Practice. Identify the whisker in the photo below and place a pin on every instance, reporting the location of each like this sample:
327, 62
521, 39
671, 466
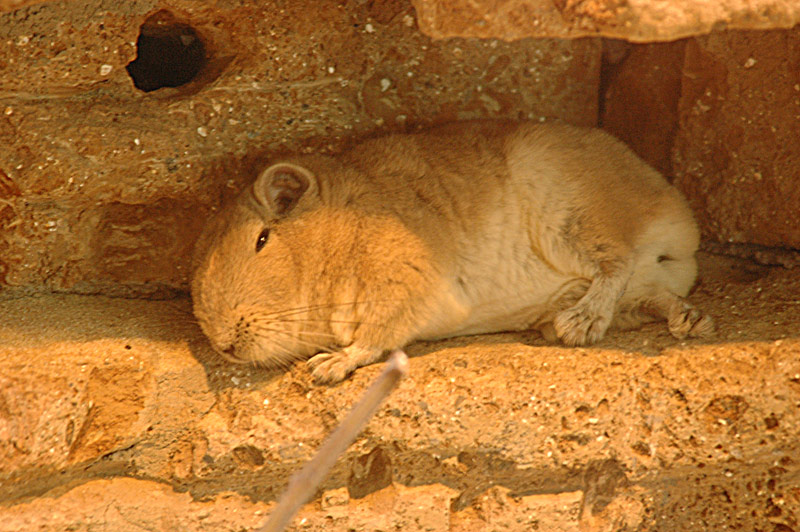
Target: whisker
271, 319
283, 361
307, 343
270, 327
307, 308
311, 341
290, 358
320, 306
314, 345
348, 322
268, 319
321, 333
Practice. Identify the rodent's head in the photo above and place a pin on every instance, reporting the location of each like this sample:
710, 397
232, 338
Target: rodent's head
247, 288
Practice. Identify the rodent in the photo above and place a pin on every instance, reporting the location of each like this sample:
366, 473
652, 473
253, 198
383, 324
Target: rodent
466, 228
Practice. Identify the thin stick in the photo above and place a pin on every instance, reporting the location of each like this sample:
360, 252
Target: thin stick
305, 482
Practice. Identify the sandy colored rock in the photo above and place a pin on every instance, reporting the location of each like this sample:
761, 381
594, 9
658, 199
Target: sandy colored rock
633, 20
640, 430
117, 505
104, 187
109, 381
11, 5
736, 150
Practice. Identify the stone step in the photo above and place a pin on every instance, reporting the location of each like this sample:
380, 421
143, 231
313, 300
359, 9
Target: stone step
104, 398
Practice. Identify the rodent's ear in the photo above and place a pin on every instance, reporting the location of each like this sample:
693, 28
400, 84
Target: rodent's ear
281, 186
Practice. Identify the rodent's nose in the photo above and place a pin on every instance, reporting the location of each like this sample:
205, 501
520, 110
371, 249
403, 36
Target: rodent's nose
230, 350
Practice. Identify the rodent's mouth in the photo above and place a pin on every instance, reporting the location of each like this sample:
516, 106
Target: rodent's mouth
232, 358
252, 356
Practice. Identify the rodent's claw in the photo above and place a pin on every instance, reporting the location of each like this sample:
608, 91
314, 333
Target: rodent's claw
578, 326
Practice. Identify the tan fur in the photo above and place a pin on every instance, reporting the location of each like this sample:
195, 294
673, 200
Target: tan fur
468, 228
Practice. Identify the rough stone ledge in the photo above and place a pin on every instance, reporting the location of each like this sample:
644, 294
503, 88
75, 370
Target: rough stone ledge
114, 411
632, 20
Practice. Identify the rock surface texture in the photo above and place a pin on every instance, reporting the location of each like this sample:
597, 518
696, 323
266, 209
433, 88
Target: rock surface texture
114, 413
737, 149
633, 20
123, 125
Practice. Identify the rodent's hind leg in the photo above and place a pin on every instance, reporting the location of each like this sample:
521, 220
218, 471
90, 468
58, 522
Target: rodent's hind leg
566, 297
586, 322
683, 319
330, 368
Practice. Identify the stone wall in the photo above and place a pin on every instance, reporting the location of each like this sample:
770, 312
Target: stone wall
103, 186
721, 114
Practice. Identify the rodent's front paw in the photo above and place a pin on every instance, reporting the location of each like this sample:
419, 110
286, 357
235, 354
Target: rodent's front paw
330, 368
579, 326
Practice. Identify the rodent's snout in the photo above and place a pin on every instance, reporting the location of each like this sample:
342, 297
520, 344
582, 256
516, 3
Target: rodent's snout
232, 353
241, 336
228, 342
224, 332
226, 349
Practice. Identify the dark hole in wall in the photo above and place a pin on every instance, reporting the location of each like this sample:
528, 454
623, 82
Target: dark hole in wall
169, 53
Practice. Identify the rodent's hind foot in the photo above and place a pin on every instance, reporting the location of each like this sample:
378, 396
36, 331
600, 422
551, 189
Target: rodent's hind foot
687, 321
330, 368
684, 320
579, 326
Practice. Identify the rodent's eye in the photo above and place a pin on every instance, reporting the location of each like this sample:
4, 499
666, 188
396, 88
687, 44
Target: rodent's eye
262, 239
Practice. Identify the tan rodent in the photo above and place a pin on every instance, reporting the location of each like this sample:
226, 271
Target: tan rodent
467, 228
